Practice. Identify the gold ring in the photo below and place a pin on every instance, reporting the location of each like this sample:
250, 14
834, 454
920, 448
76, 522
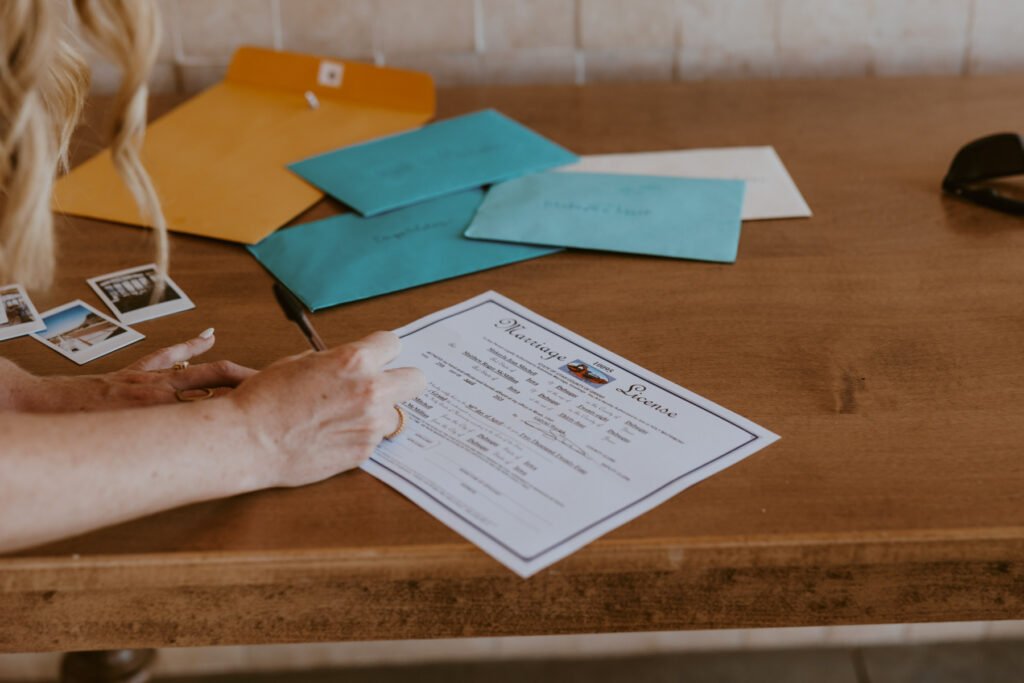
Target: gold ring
189, 398
401, 424
180, 365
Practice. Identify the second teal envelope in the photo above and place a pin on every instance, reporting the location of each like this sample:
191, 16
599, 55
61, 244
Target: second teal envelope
448, 156
347, 257
678, 217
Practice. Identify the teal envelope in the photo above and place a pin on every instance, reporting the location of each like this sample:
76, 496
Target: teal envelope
347, 257
441, 158
678, 217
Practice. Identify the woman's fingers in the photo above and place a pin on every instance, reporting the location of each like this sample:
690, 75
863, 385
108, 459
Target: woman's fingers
223, 373
402, 385
373, 351
167, 357
405, 383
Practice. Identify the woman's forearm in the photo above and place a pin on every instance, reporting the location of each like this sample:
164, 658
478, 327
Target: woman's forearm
67, 473
302, 419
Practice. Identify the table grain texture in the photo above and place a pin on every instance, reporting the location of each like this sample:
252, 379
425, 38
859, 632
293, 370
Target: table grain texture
882, 339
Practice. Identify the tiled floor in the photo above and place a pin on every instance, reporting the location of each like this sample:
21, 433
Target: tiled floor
812, 666
990, 662
981, 662
905, 653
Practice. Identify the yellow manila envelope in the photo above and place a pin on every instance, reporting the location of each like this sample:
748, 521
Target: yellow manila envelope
219, 161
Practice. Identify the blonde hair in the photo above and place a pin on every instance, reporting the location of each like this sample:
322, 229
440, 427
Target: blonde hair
43, 83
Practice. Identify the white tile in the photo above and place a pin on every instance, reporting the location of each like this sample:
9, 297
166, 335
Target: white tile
446, 69
701, 641
628, 65
776, 638
214, 30
304, 656
867, 634
528, 23
168, 39
727, 65
530, 66
825, 38
329, 28
423, 26
613, 24
727, 39
996, 39
538, 647
920, 37
163, 79
946, 631
166, 13
196, 77
1004, 630
194, 661
616, 645
105, 78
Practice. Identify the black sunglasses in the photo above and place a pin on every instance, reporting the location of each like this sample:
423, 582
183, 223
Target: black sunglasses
994, 156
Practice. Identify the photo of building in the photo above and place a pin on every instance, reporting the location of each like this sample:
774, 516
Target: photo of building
14, 304
133, 290
76, 329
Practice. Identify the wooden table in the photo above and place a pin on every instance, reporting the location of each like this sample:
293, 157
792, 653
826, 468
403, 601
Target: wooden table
881, 338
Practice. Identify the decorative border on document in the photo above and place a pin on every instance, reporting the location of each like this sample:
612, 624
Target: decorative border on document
531, 558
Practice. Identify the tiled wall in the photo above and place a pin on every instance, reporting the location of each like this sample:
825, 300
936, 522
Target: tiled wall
583, 41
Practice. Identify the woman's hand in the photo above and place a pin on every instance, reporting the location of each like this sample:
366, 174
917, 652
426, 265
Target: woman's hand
316, 414
151, 380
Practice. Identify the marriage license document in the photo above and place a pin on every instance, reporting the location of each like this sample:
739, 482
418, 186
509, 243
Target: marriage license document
531, 441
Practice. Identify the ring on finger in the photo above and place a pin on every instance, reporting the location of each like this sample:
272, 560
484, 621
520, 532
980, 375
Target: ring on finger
184, 397
180, 365
401, 424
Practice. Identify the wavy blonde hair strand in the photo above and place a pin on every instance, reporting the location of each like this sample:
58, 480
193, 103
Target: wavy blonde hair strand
43, 82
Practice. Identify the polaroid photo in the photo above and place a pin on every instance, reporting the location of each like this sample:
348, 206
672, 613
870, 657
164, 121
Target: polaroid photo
80, 332
129, 294
17, 314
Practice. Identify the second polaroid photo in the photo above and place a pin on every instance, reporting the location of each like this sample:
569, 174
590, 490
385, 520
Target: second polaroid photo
17, 314
129, 294
80, 332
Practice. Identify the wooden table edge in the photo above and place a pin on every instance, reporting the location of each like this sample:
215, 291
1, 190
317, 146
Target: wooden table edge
603, 556
411, 592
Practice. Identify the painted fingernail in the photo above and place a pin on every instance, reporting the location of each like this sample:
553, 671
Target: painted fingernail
207, 333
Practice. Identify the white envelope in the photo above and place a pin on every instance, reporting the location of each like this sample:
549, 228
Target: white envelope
771, 192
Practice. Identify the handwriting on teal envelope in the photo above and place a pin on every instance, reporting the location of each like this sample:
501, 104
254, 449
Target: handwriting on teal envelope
348, 257
444, 157
678, 217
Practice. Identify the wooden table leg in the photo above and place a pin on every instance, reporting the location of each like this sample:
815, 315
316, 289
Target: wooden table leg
107, 666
